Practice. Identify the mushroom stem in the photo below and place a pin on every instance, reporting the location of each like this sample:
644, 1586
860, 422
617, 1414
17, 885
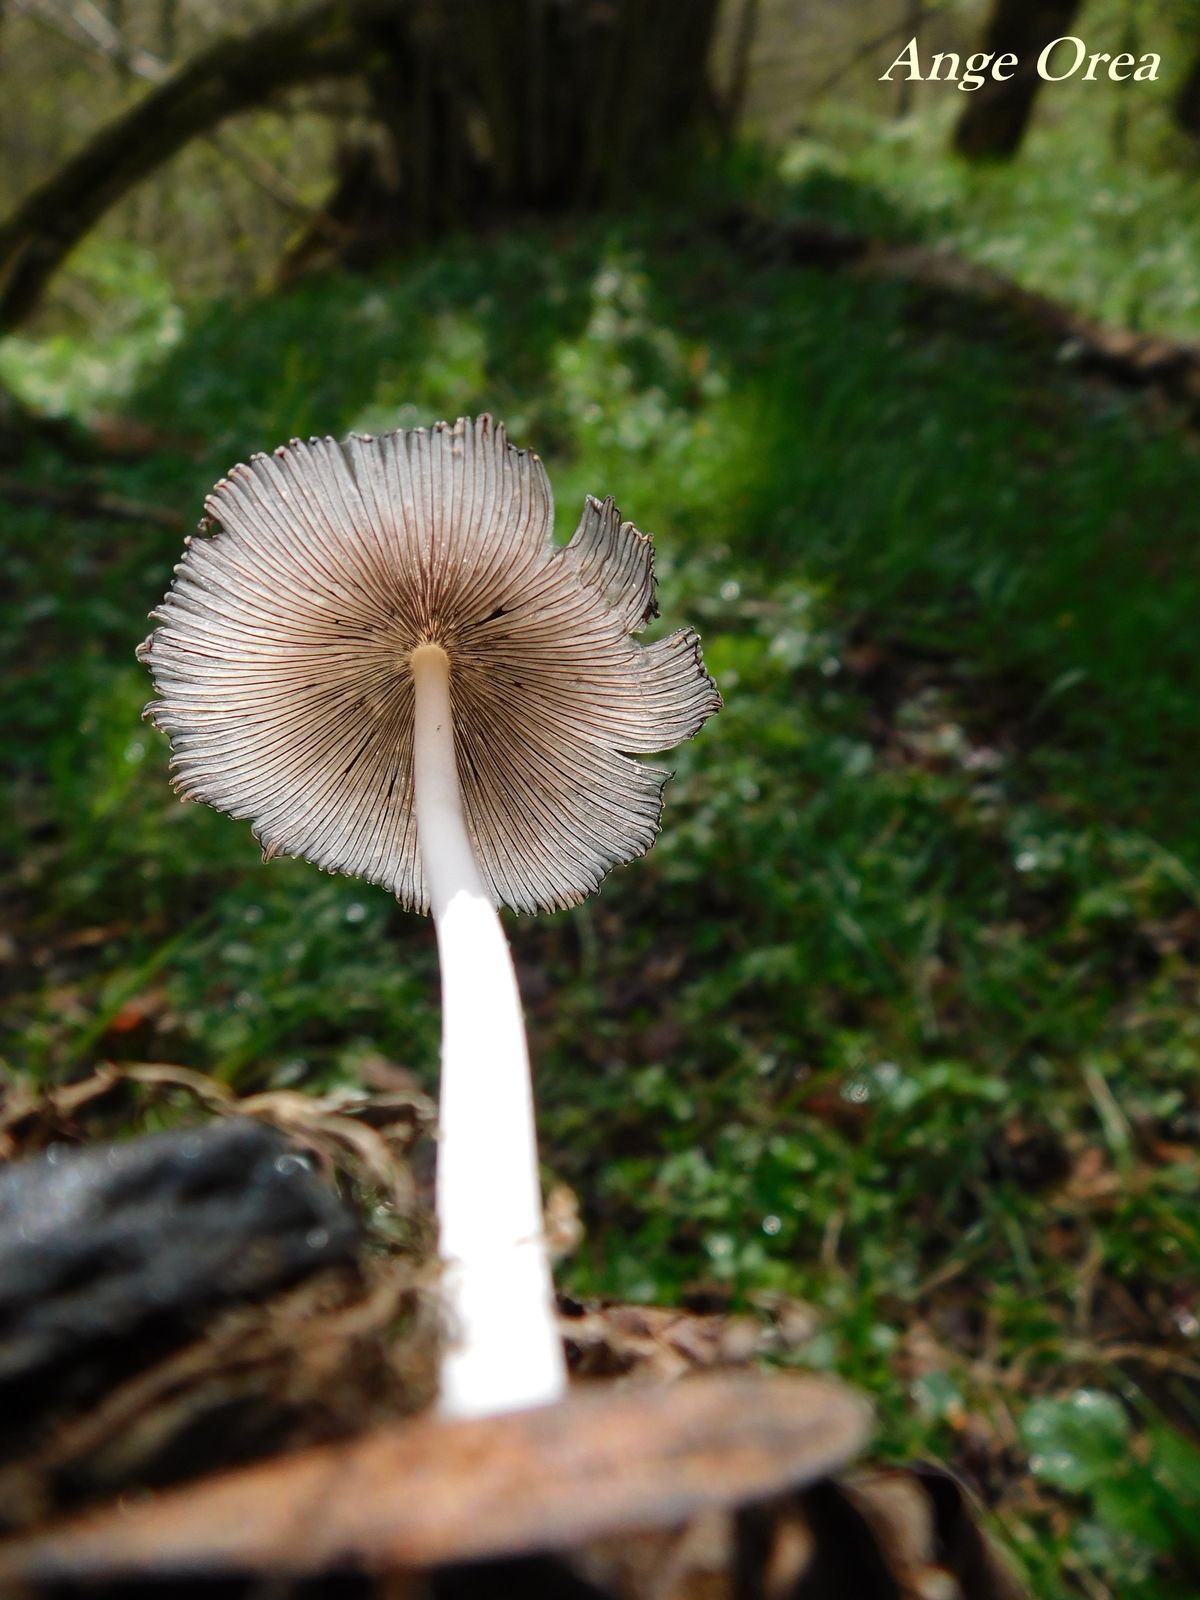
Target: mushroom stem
504, 1350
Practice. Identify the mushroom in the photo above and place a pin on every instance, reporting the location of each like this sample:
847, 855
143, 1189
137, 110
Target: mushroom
405, 1497
382, 660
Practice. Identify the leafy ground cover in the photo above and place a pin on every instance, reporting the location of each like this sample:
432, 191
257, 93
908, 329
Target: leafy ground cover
899, 1017
1102, 211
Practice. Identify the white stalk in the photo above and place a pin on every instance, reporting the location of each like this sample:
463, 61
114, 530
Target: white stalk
503, 1349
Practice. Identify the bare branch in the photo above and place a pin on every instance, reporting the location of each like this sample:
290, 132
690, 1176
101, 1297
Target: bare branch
232, 75
872, 46
85, 25
89, 500
104, 40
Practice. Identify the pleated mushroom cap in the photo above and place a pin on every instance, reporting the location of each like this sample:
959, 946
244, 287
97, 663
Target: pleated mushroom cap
281, 662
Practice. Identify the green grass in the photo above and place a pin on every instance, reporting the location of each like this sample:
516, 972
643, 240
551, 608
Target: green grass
899, 1017
1101, 211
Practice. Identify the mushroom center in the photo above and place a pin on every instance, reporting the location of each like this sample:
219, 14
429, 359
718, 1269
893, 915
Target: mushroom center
428, 655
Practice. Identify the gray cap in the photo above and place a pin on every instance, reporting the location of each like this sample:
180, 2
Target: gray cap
281, 662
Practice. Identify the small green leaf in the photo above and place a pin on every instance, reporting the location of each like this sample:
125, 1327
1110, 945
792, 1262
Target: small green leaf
1075, 1444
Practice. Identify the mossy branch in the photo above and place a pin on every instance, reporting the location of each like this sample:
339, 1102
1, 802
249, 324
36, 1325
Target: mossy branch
233, 75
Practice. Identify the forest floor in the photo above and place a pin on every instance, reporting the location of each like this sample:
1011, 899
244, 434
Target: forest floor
898, 1022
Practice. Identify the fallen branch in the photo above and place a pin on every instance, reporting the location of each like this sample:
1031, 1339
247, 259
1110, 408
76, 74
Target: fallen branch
1171, 367
89, 500
1134, 360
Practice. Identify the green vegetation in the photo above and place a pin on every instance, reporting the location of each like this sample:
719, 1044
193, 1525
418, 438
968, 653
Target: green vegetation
899, 1017
1104, 218
1144, 1497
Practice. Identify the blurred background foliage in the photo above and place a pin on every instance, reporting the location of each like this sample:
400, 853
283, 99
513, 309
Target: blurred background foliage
899, 1019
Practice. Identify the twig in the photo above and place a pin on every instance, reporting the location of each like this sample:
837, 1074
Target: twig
84, 25
88, 500
911, 19
1086, 1354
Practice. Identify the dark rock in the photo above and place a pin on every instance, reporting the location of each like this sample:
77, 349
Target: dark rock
112, 1256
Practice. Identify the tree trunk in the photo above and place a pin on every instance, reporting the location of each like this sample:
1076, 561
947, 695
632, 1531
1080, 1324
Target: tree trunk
997, 116
488, 108
1187, 101
492, 108
914, 15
